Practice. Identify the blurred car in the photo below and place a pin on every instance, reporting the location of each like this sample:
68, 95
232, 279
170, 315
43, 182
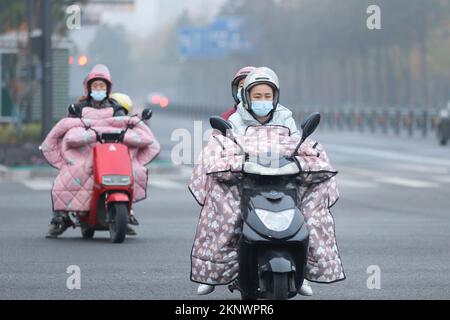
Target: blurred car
157, 99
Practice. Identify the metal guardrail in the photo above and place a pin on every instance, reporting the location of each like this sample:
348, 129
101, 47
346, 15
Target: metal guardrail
412, 122
396, 121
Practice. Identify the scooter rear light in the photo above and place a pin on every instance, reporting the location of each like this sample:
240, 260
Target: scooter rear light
116, 180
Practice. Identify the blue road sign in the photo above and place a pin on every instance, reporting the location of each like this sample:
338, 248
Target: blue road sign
217, 40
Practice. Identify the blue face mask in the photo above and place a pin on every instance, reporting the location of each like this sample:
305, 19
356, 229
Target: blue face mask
98, 95
262, 108
239, 94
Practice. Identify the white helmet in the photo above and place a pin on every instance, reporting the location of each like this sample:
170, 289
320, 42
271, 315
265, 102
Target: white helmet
261, 75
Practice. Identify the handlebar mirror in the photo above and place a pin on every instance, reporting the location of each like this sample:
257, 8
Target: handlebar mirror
220, 124
147, 114
75, 111
310, 124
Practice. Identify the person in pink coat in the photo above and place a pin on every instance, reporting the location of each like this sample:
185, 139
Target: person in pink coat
98, 87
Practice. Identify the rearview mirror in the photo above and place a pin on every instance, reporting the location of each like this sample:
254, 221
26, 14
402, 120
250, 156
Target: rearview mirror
310, 124
147, 114
224, 127
220, 124
75, 111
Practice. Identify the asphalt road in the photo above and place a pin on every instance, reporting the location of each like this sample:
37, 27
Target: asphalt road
393, 213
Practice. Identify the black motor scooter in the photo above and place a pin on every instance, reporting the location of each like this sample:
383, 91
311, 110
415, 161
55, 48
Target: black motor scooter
274, 243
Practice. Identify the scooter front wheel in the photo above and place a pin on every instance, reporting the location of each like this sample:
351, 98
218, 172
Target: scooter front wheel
280, 286
247, 297
119, 221
87, 232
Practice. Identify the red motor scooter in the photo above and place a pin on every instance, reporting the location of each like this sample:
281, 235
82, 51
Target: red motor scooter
113, 185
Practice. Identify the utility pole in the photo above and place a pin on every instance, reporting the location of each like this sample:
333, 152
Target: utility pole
46, 60
30, 52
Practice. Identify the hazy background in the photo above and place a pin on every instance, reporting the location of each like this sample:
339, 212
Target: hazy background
323, 51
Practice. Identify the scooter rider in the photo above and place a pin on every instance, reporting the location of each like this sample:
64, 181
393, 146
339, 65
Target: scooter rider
259, 106
98, 86
97, 91
260, 103
236, 86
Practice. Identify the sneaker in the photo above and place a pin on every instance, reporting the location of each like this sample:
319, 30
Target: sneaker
132, 219
306, 289
54, 230
130, 231
59, 223
205, 289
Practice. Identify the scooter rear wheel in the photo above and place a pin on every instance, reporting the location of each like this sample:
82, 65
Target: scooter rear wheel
119, 222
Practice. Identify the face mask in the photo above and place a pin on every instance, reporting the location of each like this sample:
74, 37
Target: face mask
98, 95
262, 108
239, 94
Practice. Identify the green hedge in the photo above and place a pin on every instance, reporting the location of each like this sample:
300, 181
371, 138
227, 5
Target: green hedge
9, 134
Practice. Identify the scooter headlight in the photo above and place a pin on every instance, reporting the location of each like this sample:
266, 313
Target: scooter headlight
276, 221
116, 180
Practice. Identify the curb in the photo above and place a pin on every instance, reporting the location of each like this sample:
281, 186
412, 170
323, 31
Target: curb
4, 172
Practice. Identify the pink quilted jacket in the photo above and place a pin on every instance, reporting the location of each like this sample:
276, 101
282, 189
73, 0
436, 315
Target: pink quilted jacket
69, 148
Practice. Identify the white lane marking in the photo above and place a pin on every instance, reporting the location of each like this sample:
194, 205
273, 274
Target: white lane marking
181, 173
442, 179
187, 171
39, 185
46, 185
421, 168
359, 171
351, 183
389, 155
435, 174
163, 183
410, 183
166, 184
